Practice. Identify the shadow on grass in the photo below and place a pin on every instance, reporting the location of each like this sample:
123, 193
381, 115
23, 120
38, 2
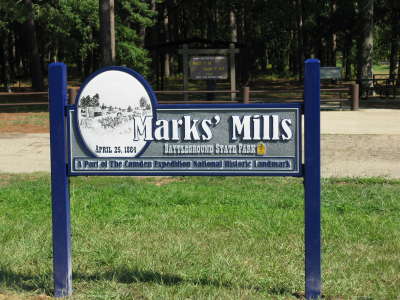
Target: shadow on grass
125, 275
43, 283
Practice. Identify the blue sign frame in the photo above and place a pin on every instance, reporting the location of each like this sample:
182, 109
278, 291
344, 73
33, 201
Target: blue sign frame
310, 171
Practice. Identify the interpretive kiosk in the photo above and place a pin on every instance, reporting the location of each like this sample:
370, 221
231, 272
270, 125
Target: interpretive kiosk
210, 65
116, 127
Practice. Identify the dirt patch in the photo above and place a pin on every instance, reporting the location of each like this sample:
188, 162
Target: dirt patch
23, 297
29, 122
4, 180
165, 180
158, 180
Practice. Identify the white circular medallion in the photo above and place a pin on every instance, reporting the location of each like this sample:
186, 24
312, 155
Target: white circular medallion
107, 108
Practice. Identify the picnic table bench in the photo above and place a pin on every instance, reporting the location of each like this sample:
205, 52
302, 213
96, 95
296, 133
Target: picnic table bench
381, 85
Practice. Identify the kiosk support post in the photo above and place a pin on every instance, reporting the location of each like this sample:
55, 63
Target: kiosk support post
62, 266
312, 179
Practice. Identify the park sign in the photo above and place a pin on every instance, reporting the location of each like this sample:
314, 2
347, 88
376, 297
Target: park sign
116, 127
333, 73
208, 67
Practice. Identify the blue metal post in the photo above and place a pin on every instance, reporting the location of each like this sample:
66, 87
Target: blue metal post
312, 179
62, 267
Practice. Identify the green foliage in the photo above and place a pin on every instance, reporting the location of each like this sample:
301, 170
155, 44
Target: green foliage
68, 30
11, 11
128, 54
132, 17
268, 32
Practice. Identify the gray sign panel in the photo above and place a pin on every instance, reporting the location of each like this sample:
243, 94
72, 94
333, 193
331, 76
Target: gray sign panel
330, 73
208, 67
203, 140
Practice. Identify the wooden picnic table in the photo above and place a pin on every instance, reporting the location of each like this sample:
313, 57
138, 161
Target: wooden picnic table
383, 86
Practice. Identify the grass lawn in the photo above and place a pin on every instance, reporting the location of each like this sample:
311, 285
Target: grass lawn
201, 238
381, 69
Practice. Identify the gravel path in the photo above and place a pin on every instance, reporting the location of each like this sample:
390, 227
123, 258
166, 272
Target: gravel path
361, 143
360, 155
364, 143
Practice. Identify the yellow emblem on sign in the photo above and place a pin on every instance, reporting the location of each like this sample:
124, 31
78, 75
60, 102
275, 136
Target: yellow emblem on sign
261, 149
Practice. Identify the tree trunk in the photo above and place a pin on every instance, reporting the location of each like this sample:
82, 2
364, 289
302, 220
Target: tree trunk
333, 50
12, 50
246, 51
7, 69
395, 42
167, 39
394, 59
398, 73
107, 32
89, 62
19, 61
319, 47
347, 59
332, 39
35, 65
2, 58
211, 25
152, 38
233, 26
5, 60
365, 40
300, 38
142, 35
240, 37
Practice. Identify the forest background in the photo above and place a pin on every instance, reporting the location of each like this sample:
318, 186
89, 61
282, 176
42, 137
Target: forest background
274, 37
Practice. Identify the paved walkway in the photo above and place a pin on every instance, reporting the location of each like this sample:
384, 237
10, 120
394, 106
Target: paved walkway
354, 143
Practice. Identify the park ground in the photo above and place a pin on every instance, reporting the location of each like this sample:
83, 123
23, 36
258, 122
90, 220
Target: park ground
207, 237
